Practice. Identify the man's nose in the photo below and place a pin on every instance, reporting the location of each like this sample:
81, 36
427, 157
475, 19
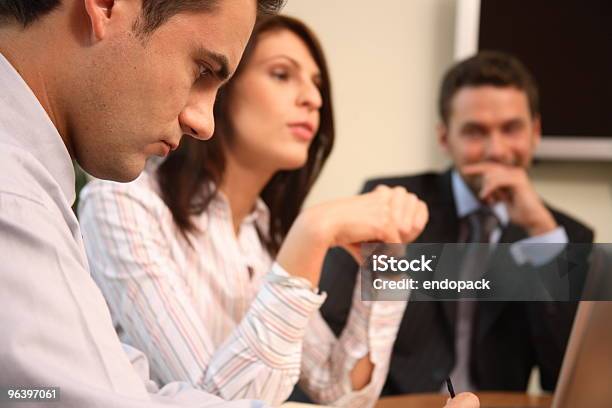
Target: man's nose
197, 119
496, 149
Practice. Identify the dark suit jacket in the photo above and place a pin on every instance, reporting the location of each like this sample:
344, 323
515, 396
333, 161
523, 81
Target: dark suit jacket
509, 338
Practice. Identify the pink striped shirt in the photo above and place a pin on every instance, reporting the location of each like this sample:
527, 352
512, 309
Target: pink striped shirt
219, 313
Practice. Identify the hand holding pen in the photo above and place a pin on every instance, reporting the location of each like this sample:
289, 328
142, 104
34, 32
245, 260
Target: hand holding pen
463, 400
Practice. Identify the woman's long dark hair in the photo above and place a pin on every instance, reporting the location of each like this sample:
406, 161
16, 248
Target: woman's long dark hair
190, 176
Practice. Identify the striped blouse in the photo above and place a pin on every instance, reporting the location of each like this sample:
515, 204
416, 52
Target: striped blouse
218, 312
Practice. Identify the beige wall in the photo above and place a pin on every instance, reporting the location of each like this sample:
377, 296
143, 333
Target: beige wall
582, 189
386, 59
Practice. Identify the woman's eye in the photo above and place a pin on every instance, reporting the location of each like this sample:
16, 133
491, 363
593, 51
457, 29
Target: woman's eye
281, 75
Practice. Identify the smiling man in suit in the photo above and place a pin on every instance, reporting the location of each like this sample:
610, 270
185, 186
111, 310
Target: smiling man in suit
489, 127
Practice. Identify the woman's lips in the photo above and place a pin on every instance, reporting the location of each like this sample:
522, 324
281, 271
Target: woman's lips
302, 130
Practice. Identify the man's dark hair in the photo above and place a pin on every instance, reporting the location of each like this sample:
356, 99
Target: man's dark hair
487, 68
24, 11
154, 12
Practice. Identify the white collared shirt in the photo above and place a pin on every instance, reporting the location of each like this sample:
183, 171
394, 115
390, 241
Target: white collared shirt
56, 328
219, 313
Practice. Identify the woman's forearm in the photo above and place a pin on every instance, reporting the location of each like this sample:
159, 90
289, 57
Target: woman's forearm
305, 247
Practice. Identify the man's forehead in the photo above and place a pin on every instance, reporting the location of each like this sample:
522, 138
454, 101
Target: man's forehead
224, 31
487, 101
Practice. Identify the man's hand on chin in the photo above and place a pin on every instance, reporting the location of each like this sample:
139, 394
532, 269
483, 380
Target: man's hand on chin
511, 185
463, 400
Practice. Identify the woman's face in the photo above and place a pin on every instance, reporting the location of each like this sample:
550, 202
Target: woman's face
274, 104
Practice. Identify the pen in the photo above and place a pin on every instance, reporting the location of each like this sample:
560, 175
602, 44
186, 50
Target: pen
449, 385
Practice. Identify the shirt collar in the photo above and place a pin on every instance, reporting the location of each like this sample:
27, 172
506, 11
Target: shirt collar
467, 203
260, 215
25, 124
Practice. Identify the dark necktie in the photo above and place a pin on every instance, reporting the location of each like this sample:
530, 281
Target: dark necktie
482, 223
478, 227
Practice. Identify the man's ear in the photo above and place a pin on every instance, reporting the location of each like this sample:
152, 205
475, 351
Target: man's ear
99, 12
442, 131
537, 130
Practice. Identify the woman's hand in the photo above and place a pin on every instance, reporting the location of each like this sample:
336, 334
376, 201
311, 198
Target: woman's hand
390, 215
463, 400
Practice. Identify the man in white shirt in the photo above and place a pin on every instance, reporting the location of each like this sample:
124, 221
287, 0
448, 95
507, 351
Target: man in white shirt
107, 83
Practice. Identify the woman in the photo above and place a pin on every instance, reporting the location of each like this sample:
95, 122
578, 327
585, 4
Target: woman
185, 254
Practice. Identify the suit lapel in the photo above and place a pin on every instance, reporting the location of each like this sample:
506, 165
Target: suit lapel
444, 227
425, 317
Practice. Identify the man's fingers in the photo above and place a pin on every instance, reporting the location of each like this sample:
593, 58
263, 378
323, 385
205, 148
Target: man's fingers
478, 168
486, 168
463, 400
473, 169
487, 191
492, 183
505, 195
491, 193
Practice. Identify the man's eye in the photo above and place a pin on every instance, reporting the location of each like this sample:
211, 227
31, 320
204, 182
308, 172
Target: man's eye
204, 71
512, 128
473, 132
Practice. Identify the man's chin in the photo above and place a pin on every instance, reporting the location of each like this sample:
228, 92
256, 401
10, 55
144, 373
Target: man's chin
125, 178
121, 173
